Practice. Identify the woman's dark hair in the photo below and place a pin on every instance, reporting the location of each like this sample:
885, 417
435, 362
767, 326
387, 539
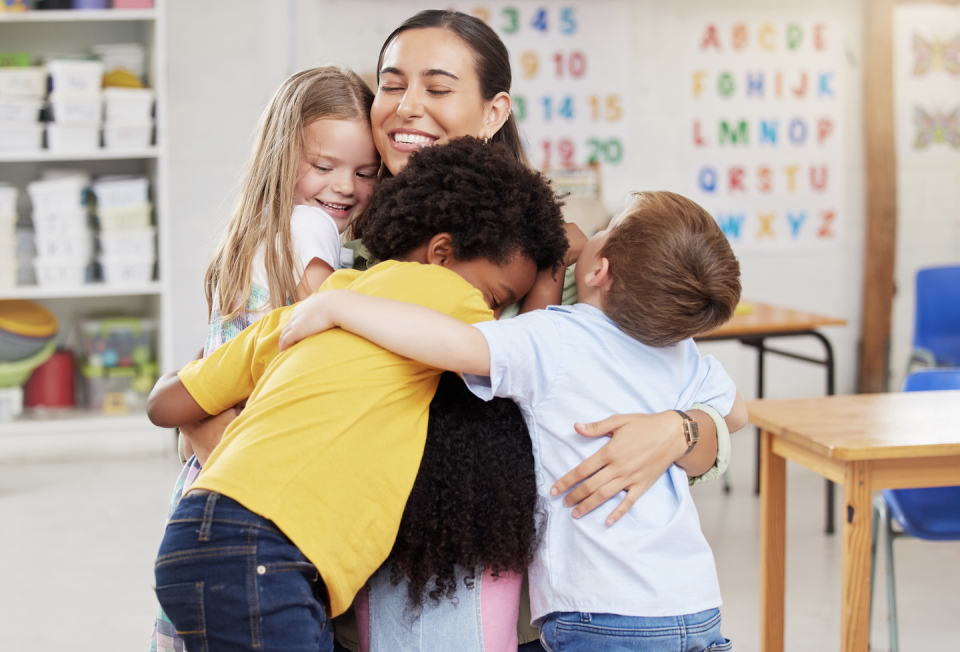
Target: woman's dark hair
492, 206
474, 502
491, 57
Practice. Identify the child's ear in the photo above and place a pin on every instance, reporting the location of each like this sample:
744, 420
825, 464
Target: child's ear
440, 249
498, 110
599, 277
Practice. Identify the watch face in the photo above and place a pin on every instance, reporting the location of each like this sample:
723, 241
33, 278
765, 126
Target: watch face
693, 432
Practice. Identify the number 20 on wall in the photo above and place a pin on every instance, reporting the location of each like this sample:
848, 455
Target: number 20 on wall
510, 21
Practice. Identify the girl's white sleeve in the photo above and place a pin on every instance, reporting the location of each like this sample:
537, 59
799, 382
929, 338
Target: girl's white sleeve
314, 235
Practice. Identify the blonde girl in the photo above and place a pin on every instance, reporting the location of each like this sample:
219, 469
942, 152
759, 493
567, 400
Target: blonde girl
311, 173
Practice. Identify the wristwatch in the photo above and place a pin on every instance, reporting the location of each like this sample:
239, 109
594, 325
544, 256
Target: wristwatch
690, 431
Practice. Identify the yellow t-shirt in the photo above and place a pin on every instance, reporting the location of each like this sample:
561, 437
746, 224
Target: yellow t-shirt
330, 441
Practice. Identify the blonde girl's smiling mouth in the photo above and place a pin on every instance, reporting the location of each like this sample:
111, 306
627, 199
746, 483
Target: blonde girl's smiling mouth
334, 209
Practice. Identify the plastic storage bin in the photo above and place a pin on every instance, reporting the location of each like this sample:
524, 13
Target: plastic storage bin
132, 242
120, 137
120, 341
60, 272
133, 4
24, 82
53, 224
74, 108
8, 200
21, 136
121, 192
68, 244
123, 219
9, 272
73, 137
117, 390
75, 76
11, 403
20, 109
127, 270
128, 105
62, 195
121, 56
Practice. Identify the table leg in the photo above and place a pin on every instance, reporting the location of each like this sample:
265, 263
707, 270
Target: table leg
760, 351
855, 585
773, 545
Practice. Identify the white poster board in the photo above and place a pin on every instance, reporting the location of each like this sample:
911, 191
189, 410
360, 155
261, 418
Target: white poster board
765, 112
570, 61
927, 81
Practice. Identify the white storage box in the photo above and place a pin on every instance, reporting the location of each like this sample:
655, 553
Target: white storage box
124, 219
8, 249
127, 270
20, 109
126, 56
53, 224
8, 272
127, 136
76, 137
24, 82
11, 403
69, 244
8, 225
74, 108
132, 242
128, 105
121, 192
73, 76
8, 200
21, 136
58, 195
61, 271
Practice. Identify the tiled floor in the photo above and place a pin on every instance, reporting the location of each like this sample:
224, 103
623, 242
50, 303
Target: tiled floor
77, 543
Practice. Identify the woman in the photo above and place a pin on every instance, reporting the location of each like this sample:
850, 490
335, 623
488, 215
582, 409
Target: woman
445, 74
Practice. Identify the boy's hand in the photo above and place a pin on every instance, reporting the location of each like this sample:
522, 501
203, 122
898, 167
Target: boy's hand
205, 434
311, 316
577, 240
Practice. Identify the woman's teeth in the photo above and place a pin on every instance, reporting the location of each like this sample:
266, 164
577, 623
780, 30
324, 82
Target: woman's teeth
412, 139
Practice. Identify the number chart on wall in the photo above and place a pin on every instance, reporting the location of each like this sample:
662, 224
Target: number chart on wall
765, 144
570, 63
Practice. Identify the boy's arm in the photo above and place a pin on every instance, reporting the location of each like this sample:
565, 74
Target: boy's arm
547, 290
170, 405
408, 329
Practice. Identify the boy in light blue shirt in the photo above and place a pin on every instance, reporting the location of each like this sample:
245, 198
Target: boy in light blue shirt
661, 273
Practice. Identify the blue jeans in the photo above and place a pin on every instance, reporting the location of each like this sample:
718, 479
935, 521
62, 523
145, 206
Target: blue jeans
231, 580
583, 632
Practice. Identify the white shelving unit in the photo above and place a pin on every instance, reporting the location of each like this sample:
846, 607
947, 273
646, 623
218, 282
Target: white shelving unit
79, 432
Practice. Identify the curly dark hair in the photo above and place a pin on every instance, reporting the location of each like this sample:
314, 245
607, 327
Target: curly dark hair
492, 205
474, 501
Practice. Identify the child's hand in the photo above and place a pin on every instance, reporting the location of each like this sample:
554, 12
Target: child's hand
205, 434
577, 240
311, 316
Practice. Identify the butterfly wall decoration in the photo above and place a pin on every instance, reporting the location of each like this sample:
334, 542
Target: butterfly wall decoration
936, 55
936, 127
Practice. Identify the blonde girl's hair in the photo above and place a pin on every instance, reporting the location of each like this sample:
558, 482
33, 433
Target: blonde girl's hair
263, 209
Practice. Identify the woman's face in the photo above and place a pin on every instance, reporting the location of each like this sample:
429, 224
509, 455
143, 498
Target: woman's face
429, 93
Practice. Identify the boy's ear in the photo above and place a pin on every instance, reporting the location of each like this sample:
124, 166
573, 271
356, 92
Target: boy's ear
599, 277
440, 249
498, 110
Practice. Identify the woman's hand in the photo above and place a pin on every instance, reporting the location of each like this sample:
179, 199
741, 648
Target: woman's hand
311, 316
641, 448
205, 434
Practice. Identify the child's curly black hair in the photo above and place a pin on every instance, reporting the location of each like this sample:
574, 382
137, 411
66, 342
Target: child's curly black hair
474, 501
491, 204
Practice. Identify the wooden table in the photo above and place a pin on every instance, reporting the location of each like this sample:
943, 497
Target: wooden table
864, 442
768, 321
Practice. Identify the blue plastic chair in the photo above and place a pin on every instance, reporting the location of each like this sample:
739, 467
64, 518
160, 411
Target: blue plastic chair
932, 514
936, 331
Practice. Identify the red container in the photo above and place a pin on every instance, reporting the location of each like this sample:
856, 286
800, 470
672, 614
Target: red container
133, 4
51, 384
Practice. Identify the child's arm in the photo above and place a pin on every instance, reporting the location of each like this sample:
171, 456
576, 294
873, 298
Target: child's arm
170, 405
410, 330
314, 275
547, 290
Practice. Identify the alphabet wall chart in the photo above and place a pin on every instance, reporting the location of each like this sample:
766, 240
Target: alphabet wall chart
927, 80
569, 62
765, 142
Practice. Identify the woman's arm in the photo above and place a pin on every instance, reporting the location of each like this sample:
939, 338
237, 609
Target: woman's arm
641, 448
547, 290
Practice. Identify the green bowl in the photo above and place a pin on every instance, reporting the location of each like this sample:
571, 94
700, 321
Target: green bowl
14, 374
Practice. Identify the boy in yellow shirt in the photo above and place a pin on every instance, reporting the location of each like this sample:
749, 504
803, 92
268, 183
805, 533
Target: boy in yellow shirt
301, 501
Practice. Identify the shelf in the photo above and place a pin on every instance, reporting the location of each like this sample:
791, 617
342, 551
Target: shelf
76, 15
74, 291
96, 155
79, 433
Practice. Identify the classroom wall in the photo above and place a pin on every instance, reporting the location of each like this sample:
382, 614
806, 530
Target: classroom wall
226, 56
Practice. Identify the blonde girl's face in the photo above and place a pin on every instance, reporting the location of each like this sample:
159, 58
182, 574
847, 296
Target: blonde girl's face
338, 169
428, 93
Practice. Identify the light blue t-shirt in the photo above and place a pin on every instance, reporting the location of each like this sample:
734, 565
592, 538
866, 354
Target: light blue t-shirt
572, 363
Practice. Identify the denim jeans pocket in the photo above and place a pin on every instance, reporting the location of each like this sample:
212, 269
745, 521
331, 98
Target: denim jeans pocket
183, 603
725, 646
